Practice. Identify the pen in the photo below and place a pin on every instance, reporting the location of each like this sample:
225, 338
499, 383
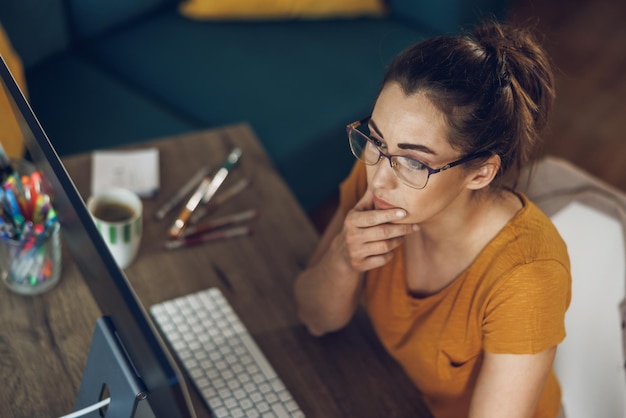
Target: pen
190, 206
220, 222
182, 192
221, 174
238, 231
218, 200
204, 193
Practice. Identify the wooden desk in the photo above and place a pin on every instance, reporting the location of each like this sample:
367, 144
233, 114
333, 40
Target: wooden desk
44, 340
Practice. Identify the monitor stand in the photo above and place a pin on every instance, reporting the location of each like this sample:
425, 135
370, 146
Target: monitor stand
109, 373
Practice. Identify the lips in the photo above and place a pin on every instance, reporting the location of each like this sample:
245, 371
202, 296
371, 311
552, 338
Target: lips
381, 204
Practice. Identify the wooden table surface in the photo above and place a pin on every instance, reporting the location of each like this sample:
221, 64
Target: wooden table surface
44, 340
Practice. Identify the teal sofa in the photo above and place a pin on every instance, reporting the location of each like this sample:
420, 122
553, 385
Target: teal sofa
102, 73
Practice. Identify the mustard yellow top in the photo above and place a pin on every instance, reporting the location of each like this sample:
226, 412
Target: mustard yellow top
512, 299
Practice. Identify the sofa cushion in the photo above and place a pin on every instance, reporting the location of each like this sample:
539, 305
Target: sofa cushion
81, 108
264, 77
280, 9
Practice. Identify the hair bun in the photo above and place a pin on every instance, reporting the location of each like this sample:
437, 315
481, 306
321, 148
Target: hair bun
518, 60
499, 43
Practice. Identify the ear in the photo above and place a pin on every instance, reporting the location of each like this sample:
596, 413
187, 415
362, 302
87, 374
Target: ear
482, 176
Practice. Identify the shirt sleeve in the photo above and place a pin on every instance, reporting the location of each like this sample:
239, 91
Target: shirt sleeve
526, 313
353, 187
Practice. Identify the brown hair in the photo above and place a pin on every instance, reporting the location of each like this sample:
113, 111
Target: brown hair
494, 85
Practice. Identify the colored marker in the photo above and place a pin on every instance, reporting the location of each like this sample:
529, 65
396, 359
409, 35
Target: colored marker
239, 231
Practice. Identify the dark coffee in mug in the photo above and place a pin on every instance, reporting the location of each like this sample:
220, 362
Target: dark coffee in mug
113, 212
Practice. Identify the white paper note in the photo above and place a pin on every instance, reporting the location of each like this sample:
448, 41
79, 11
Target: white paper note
136, 170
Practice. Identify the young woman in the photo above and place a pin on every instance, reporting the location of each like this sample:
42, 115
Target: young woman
466, 282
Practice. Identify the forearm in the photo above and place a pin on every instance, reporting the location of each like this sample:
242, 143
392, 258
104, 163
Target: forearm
327, 293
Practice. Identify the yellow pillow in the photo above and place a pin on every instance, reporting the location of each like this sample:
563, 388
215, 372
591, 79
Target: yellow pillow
10, 133
279, 9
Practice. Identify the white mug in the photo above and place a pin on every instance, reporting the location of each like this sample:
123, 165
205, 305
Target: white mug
118, 216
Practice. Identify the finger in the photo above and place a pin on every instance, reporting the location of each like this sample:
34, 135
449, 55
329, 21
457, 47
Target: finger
377, 248
360, 257
369, 218
383, 233
373, 262
366, 202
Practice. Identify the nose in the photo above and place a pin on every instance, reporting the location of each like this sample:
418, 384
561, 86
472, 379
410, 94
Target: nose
383, 174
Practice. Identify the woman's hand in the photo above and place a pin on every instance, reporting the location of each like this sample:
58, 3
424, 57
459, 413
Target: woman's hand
327, 292
370, 235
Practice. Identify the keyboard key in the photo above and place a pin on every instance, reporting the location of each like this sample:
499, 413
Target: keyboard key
240, 394
202, 382
214, 401
208, 393
284, 396
256, 397
221, 412
291, 406
231, 403
246, 404
271, 398
280, 410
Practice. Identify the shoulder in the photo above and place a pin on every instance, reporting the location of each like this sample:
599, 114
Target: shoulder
528, 237
528, 255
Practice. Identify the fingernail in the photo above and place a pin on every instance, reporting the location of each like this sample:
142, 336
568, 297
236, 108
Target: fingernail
416, 227
400, 214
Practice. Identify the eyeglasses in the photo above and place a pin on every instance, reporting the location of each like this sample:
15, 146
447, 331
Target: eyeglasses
411, 172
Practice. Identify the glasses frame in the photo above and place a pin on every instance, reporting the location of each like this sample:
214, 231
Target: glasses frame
392, 158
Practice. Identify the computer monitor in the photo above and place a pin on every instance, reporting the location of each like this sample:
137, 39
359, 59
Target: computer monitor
127, 353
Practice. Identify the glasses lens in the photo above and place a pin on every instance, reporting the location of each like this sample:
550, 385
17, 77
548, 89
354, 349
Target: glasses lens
362, 147
412, 172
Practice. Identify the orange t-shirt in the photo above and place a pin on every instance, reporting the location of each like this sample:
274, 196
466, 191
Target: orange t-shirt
512, 299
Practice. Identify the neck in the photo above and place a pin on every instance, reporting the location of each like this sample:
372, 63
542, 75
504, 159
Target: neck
448, 244
467, 224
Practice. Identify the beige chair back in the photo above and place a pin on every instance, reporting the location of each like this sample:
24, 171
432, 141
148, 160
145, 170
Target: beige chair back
591, 217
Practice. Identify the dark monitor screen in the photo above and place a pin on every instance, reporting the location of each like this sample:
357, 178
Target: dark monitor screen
109, 286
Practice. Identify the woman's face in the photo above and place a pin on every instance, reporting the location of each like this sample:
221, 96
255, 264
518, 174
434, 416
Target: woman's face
412, 126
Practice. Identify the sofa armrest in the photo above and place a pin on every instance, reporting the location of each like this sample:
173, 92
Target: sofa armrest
447, 16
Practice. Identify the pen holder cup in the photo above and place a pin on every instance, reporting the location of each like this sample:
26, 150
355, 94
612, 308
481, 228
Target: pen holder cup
30, 266
30, 247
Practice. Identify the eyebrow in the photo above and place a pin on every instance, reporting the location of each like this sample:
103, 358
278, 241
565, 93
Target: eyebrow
403, 145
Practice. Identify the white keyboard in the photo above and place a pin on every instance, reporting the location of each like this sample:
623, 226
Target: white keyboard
221, 358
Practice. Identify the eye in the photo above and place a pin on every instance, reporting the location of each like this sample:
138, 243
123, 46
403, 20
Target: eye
411, 164
377, 143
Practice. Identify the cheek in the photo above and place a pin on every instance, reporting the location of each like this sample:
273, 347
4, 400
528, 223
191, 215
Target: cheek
375, 176
422, 205
419, 205
369, 171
